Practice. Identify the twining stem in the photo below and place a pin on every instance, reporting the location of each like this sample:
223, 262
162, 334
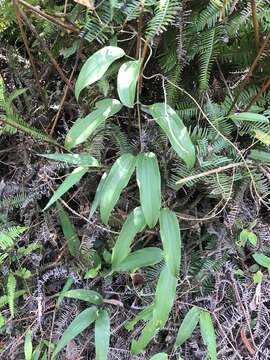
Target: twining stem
255, 23
263, 89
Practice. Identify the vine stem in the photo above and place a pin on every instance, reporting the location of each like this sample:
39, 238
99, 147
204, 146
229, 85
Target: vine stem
255, 23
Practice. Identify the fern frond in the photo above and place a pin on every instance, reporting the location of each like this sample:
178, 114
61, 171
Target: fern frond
8, 236
11, 289
210, 16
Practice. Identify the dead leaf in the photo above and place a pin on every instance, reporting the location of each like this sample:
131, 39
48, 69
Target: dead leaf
90, 4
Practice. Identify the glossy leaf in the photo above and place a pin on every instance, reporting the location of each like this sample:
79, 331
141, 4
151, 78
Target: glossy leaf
134, 224
262, 136
69, 231
140, 258
28, 346
147, 334
85, 160
171, 240
102, 335
160, 356
188, 325
208, 334
175, 130
262, 260
148, 179
84, 127
86, 295
96, 201
163, 304
115, 182
249, 117
127, 81
96, 66
71, 180
78, 325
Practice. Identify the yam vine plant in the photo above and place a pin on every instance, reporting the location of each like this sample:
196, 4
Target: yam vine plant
169, 111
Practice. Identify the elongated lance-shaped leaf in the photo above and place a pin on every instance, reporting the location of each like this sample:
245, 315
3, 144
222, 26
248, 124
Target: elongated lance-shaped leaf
188, 325
69, 231
159, 356
264, 137
208, 334
85, 160
145, 314
28, 346
134, 224
262, 260
83, 128
96, 66
96, 201
147, 334
66, 287
249, 117
115, 182
78, 325
148, 179
260, 155
11, 290
175, 130
163, 304
86, 295
71, 180
102, 335
140, 258
171, 240
127, 81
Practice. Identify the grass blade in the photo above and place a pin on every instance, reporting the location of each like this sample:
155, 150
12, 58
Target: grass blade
148, 179
147, 334
208, 334
96, 201
159, 356
28, 346
85, 295
188, 325
74, 159
102, 335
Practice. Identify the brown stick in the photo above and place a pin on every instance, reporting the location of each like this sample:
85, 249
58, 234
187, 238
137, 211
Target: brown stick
255, 23
263, 89
139, 34
35, 72
252, 68
44, 46
35, 9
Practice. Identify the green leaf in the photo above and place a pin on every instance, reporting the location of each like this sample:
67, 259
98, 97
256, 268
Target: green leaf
262, 136
83, 128
115, 182
247, 235
11, 289
96, 66
188, 325
145, 314
69, 231
28, 346
171, 240
96, 201
260, 155
175, 130
102, 335
140, 258
163, 304
74, 159
78, 325
148, 179
71, 180
2, 321
262, 260
66, 287
249, 117
147, 334
85, 295
127, 81
134, 224
208, 334
160, 356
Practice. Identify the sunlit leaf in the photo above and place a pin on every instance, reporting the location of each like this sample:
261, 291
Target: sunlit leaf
134, 224
71, 180
262, 136
171, 240
96, 66
84, 127
249, 117
69, 231
262, 260
102, 335
208, 334
247, 235
159, 356
188, 325
140, 258
115, 182
86, 295
11, 290
175, 130
148, 179
127, 81
78, 325
28, 346
85, 160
